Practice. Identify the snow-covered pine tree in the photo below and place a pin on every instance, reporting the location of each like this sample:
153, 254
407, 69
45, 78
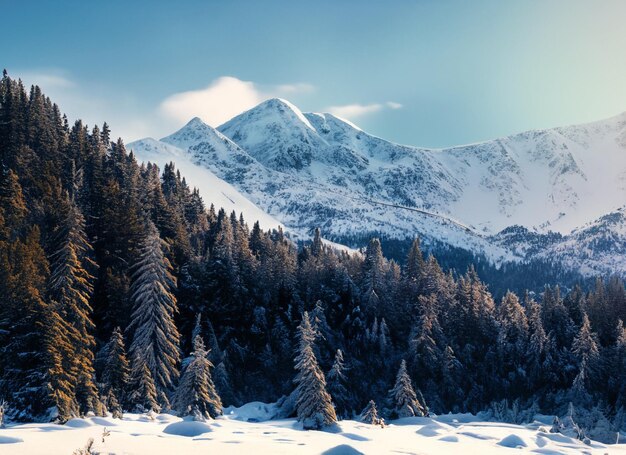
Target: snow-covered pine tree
324, 337
313, 404
450, 390
618, 374
373, 282
402, 397
155, 336
512, 342
426, 342
23, 313
197, 328
196, 394
61, 377
370, 414
143, 392
113, 405
336, 382
3, 411
71, 287
116, 369
317, 247
585, 348
222, 384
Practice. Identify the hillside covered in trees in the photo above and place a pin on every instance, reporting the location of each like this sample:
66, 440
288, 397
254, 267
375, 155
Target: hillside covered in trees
121, 291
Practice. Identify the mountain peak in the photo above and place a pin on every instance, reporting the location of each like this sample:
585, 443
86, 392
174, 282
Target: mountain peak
274, 111
196, 121
194, 131
277, 134
277, 103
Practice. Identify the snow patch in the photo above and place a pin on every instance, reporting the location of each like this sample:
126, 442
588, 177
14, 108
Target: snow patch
188, 429
512, 441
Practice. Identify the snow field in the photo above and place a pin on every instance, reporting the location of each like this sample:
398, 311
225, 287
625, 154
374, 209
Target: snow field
242, 430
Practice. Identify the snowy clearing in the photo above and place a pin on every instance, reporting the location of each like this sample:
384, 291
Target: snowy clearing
233, 433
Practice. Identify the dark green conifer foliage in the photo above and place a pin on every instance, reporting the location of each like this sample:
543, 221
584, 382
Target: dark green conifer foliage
196, 394
71, 288
117, 368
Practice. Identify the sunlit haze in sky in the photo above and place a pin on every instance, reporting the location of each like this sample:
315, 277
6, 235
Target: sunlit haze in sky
424, 72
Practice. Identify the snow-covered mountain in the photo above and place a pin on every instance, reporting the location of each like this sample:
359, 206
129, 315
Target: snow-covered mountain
555, 179
298, 200
214, 190
309, 169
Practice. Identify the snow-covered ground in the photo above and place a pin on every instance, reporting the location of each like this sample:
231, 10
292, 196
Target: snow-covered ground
234, 433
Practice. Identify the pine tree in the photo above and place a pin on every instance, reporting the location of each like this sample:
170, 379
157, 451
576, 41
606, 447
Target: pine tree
337, 381
71, 288
143, 392
117, 369
451, 392
61, 374
324, 334
155, 336
113, 405
403, 398
373, 277
426, 342
196, 394
317, 247
12, 204
197, 328
313, 404
618, 376
585, 348
370, 414
512, 341
23, 318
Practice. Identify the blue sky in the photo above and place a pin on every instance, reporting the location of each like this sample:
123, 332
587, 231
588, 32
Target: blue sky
429, 73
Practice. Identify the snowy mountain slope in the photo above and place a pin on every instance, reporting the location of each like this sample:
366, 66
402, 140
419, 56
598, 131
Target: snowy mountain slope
554, 179
300, 201
310, 170
338, 153
595, 248
213, 189
276, 134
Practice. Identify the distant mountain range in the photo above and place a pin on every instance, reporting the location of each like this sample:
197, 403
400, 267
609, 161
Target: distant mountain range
555, 194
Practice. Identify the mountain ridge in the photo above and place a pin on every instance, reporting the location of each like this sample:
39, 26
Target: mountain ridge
312, 170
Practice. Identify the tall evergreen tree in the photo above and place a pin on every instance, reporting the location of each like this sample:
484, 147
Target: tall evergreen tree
71, 288
24, 316
370, 414
116, 372
155, 336
585, 348
143, 395
196, 394
402, 397
337, 386
313, 403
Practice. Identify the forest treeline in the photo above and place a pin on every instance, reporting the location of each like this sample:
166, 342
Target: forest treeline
120, 290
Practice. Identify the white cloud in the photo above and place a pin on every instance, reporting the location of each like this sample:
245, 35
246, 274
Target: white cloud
297, 88
223, 99
352, 111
